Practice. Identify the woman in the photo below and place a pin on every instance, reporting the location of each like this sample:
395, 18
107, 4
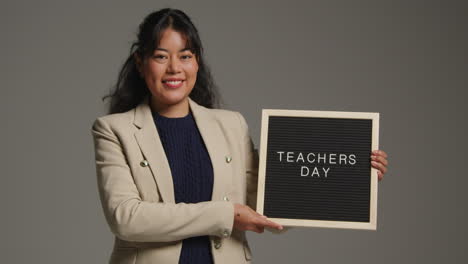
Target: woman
176, 177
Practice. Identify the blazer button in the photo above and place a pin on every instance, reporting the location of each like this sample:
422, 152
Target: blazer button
225, 198
217, 245
225, 233
144, 163
228, 159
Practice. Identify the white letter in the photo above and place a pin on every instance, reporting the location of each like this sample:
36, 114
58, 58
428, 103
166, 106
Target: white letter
300, 157
315, 172
330, 158
343, 157
289, 156
324, 158
302, 170
352, 158
326, 171
309, 159
281, 153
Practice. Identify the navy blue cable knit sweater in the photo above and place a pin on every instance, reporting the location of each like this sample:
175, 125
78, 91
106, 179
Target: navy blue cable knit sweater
192, 174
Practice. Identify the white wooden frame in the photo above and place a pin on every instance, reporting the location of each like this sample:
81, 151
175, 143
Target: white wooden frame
266, 113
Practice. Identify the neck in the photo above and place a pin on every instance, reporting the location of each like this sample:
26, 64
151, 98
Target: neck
180, 109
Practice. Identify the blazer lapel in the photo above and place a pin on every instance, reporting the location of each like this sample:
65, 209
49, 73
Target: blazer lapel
150, 144
217, 147
153, 150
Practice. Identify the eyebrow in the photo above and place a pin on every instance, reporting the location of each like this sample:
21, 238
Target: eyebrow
184, 49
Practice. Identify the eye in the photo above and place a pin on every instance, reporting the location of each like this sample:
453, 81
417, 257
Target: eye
186, 57
159, 57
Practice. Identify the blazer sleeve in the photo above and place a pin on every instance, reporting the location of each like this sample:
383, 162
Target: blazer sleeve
132, 219
251, 166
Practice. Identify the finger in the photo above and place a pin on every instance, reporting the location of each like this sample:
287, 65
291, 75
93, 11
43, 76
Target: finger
258, 214
379, 166
380, 152
262, 216
275, 225
380, 159
272, 224
380, 175
259, 217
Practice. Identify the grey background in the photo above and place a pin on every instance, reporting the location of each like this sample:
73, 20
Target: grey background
404, 59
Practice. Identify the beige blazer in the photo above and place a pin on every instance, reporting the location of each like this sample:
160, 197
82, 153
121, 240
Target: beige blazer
136, 189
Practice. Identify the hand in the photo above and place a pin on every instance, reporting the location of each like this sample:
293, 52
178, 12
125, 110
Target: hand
379, 162
247, 219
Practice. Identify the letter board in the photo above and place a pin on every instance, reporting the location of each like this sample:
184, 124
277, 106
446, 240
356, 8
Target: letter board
315, 168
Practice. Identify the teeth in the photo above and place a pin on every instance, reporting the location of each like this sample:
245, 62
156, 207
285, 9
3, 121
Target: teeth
173, 82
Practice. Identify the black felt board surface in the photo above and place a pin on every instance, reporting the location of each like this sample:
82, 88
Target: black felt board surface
341, 194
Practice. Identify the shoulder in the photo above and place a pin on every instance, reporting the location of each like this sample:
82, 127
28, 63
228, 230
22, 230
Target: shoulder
112, 122
228, 117
230, 121
224, 117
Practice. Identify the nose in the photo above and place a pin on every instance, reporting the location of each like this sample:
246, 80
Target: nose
174, 66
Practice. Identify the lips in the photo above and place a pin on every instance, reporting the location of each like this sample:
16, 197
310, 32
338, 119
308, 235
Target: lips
173, 82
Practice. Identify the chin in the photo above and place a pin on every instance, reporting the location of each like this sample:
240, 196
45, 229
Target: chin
171, 99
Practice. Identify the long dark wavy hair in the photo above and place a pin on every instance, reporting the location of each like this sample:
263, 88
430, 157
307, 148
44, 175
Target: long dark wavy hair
130, 89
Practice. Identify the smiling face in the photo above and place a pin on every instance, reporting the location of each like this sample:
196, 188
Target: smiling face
170, 72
